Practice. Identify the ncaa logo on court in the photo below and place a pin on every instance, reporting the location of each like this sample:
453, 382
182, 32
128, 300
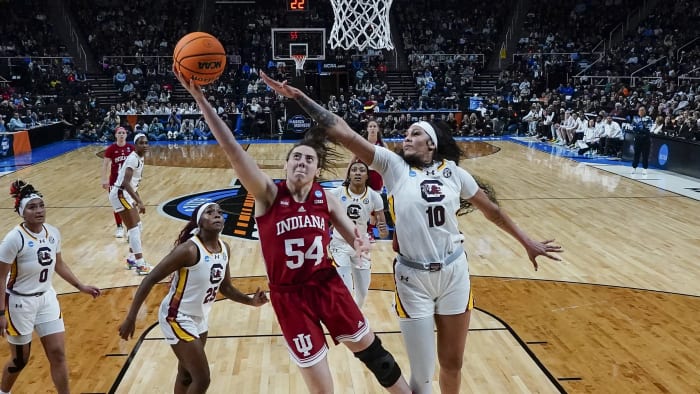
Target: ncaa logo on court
238, 208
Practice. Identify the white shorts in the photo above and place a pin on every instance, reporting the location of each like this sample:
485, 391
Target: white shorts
344, 256
120, 199
27, 313
183, 328
421, 293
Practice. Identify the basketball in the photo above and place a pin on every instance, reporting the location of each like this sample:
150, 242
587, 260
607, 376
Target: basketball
199, 56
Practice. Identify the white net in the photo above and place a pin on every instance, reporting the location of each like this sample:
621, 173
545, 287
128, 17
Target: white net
299, 61
361, 24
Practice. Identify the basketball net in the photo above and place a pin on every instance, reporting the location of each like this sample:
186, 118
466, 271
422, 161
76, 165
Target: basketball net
299, 61
361, 24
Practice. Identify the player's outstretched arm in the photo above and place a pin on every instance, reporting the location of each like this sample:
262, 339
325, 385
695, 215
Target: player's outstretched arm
257, 182
336, 128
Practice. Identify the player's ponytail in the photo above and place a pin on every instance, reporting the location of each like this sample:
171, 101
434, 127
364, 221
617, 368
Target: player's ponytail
19, 190
186, 232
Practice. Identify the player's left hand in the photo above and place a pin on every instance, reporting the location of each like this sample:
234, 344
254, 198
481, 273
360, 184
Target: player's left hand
259, 298
361, 243
92, 290
194, 89
544, 248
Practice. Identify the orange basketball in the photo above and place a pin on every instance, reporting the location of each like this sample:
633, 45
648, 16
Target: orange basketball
199, 56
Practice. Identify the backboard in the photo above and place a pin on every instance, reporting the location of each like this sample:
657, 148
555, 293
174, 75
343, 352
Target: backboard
287, 42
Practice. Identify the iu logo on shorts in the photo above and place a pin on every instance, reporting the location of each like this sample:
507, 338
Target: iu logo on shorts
303, 344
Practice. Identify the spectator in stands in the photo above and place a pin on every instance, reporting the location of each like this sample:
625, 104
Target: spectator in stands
187, 129
532, 118
156, 131
611, 141
687, 128
119, 78
591, 138
172, 128
658, 126
201, 130
16, 123
566, 129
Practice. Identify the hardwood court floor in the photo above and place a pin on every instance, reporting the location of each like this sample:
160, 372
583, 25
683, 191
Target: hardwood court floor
619, 314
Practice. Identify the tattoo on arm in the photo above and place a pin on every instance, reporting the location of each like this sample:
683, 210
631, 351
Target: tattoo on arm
324, 117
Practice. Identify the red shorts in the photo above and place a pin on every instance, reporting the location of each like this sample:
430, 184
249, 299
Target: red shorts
301, 309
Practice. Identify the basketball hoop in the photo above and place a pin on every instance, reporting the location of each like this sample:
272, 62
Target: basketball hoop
299, 60
361, 24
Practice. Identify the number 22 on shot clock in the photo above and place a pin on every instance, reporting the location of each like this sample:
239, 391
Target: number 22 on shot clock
297, 5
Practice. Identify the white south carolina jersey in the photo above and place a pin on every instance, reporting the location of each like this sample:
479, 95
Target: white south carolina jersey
358, 207
193, 289
33, 258
424, 203
135, 162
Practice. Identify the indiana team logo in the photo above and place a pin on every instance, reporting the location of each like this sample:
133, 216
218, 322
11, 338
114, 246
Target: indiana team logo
238, 208
303, 344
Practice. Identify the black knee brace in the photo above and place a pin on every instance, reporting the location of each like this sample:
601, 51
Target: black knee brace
381, 363
19, 361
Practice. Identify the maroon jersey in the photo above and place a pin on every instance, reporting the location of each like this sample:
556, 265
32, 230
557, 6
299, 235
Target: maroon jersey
305, 289
117, 154
294, 236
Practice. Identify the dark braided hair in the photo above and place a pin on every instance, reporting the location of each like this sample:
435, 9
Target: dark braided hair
466, 207
186, 232
19, 190
315, 138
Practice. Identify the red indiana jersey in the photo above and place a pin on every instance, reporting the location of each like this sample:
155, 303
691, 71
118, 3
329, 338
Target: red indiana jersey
117, 154
294, 236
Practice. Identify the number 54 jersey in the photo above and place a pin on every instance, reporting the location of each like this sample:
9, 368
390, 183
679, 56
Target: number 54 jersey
33, 258
294, 236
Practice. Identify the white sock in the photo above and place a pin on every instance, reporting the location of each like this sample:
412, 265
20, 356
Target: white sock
139, 263
4, 392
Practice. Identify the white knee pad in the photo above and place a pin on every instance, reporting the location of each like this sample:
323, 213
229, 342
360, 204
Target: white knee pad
134, 235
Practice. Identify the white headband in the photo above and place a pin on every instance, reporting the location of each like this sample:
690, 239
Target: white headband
204, 207
23, 202
137, 136
428, 130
